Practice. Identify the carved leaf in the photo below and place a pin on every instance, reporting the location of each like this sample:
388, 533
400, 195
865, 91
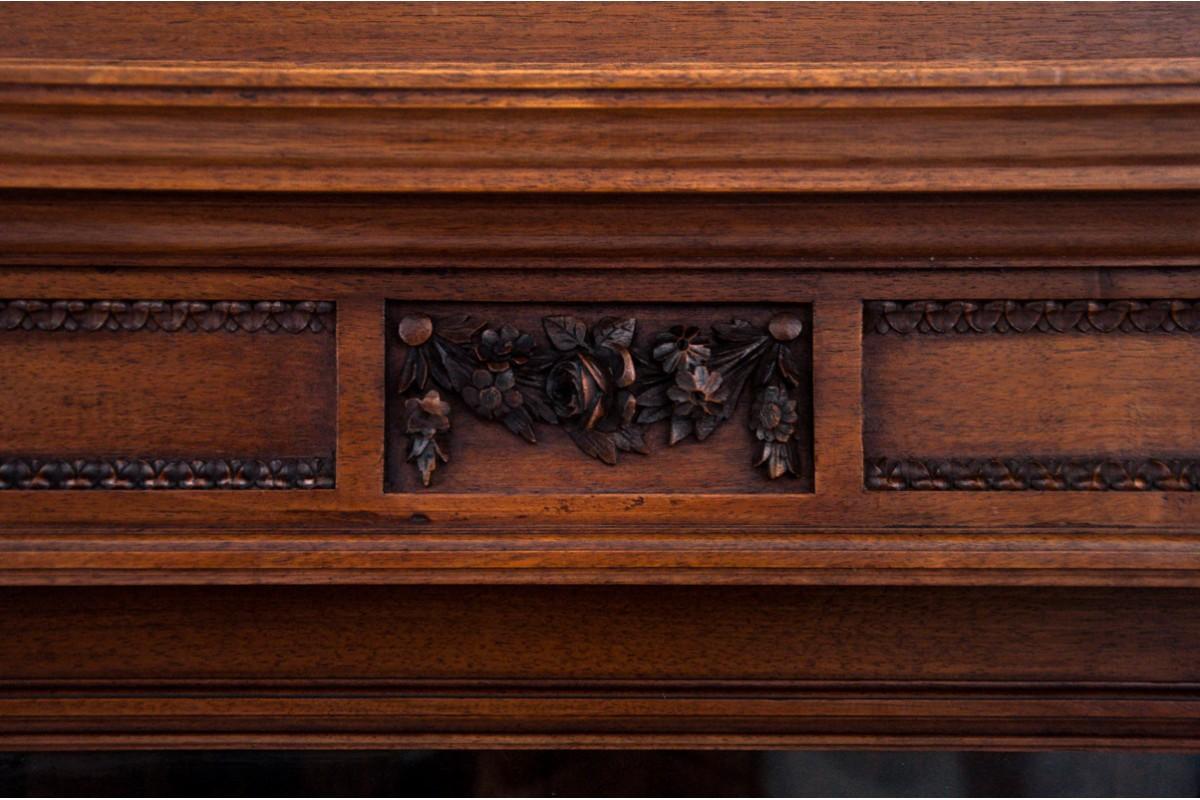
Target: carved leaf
595, 443
628, 374
459, 328
612, 332
631, 438
415, 372
566, 333
681, 428
706, 425
519, 422
535, 401
738, 332
648, 416
457, 365
789, 367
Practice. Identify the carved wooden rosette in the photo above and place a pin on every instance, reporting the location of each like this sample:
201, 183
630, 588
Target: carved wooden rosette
600, 386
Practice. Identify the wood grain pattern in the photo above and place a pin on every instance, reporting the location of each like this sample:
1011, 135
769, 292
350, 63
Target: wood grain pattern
1071, 395
580, 149
101, 381
606, 120
420, 33
541, 231
663, 157
595, 666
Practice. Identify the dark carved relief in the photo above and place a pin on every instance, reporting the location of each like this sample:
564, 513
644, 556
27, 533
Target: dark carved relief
1037, 474
1025, 316
136, 473
162, 315
598, 386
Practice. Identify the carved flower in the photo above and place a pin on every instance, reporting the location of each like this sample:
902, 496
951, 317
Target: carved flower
698, 396
773, 415
493, 395
680, 348
697, 393
588, 388
499, 348
428, 417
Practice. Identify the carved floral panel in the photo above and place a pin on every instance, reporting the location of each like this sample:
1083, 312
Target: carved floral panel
583, 391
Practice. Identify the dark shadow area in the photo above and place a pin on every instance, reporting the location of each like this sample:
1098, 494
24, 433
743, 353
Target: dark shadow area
603, 773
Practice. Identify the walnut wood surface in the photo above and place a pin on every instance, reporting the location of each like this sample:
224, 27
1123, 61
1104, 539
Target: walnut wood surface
1048, 395
512, 534
885, 231
152, 393
676, 159
417, 33
595, 666
620, 115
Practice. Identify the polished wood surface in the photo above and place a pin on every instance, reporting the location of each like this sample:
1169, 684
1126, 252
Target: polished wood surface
586, 99
598, 667
985, 218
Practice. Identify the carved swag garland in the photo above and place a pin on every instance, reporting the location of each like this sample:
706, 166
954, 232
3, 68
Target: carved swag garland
597, 387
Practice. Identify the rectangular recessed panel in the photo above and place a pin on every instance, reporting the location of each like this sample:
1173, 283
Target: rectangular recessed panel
1032, 395
167, 395
587, 399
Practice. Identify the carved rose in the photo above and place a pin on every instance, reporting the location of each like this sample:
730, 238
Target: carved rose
585, 389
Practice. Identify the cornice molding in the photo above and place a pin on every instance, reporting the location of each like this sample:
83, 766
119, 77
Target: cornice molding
602, 127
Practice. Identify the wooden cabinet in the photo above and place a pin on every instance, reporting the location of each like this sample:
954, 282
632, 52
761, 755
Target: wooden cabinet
562, 375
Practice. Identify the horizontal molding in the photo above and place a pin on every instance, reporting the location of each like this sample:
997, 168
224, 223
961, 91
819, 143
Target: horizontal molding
1027, 140
270, 316
571, 230
957, 73
648, 713
1034, 474
1031, 316
407, 552
112, 474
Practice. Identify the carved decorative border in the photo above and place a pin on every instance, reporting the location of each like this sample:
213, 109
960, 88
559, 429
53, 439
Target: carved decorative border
163, 473
271, 316
1028, 316
1033, 474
